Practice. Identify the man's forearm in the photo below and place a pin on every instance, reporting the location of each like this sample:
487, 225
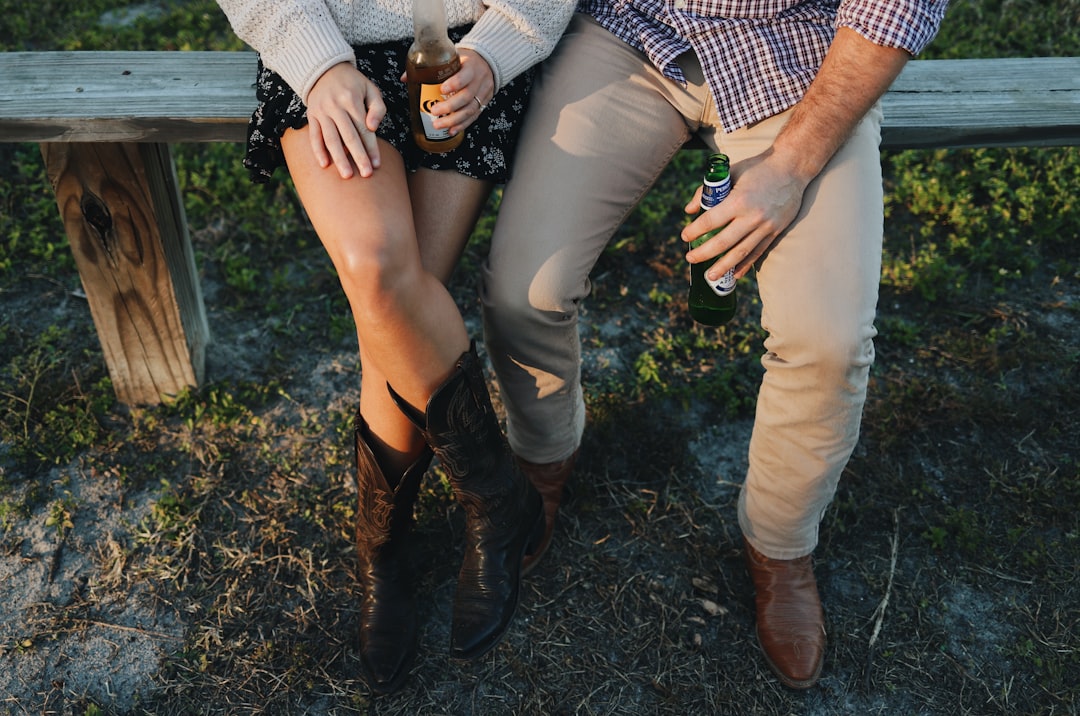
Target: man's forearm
854, 75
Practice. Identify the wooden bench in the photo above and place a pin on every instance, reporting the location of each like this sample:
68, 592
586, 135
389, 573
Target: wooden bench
105, 121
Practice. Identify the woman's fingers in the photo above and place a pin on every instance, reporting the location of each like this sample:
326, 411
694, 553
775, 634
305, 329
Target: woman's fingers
467, 93
344, 111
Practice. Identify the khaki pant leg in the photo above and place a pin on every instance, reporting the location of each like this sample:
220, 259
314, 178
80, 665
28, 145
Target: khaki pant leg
819, 289
602, 125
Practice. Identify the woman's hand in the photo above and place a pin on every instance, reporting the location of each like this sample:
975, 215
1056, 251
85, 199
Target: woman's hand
467, 92
344, 108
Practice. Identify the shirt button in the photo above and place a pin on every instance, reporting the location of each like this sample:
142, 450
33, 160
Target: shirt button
680, 4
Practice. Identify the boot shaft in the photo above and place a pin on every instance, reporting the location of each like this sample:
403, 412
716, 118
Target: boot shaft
384, 514
460, 423
503, 512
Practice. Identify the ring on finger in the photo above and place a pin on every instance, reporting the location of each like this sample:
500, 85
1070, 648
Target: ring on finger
479, 104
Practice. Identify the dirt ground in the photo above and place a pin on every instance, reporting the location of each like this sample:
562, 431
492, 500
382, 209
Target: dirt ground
196, 558
244, 603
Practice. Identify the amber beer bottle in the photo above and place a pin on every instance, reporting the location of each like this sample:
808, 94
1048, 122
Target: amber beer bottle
431, 60
712, 303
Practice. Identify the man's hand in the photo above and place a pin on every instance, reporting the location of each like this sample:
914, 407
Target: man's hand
344, 109
767, 190
765, 198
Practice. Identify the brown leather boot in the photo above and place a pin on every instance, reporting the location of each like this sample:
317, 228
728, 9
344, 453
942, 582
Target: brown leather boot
384, 520
549, 479
504, 515
790, 620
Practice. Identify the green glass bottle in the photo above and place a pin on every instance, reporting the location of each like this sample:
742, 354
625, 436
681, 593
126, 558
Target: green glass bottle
712, 303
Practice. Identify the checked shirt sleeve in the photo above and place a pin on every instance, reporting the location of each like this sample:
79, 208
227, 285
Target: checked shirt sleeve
906, 24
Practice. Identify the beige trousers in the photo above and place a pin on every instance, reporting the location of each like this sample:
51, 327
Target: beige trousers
602, 125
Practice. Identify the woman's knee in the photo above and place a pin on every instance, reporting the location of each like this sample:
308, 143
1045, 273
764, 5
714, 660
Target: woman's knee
375, 271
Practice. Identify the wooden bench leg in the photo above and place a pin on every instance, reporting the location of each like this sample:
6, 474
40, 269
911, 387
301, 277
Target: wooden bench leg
120, 204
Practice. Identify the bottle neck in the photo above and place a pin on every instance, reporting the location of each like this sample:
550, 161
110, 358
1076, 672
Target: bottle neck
429, 20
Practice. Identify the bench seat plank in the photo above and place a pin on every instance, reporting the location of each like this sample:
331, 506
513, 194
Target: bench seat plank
156, 96
126, 96
1000, 102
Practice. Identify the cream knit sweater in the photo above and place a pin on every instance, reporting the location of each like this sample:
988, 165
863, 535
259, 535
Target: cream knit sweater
301, 39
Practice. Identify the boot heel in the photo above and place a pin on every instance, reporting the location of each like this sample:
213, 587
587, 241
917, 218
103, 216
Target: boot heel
536, 537
549, 479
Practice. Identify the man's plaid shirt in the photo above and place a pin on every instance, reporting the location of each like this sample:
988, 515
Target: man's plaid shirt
759, 56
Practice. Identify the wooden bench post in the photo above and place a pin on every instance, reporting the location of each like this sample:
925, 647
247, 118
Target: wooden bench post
121, 208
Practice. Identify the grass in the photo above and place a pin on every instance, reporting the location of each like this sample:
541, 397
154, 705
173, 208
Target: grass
209, 538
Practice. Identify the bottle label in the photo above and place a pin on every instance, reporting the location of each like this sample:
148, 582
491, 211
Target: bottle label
712, 193
429, 95
723, 285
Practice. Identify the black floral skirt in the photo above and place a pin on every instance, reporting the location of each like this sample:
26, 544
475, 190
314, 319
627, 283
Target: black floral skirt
485, 153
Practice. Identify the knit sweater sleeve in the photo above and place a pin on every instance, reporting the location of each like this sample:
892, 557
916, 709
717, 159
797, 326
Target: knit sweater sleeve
298, 39
514, 35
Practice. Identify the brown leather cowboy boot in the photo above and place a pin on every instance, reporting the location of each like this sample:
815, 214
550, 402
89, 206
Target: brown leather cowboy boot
790, 620
384, 519
549, 479
504, 515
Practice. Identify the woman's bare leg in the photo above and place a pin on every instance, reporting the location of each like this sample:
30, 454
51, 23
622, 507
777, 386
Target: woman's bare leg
410, 331
446, 206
